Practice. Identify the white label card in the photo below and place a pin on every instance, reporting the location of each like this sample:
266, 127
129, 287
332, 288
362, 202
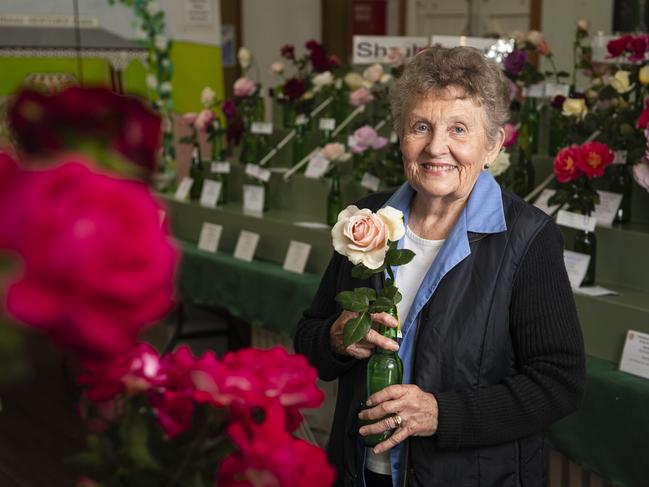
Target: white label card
246, 245
258, 172
220, 167
374, 49
210, 237
542, 201
297, 256
576, 220
607, 208
393, 137
535, 91
595, 291
262, 128
635, 356
576, 265
370, 182
183, 189
556, 89
327, 123
301, 119
210, 193
619, 157
317, 167
253, 198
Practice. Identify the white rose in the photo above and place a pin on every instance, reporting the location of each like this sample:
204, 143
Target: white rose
322, 79
353, 80
373, 73
152, 8
207, 97
535, 37
517, 35
500, 165
244, 56
583, 24
575, 107
385, 79
152, 81
161, 42
393, 220
166, 87
621, 82
277, 67
362, 236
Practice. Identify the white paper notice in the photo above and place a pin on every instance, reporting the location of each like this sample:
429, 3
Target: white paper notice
220, 167
198, 12
301, 119
183, 189
210, 237
210, 193
296, 257
635, 356
619, 157
258, 172
608, 204
595, 291
557, 89
263, 128
370, 182
246, 245
576, 265
542, 201
317, 167
535, 91
253, 198
576, 220
327, 123
393, 137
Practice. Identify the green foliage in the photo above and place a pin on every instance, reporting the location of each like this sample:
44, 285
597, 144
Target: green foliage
357, 328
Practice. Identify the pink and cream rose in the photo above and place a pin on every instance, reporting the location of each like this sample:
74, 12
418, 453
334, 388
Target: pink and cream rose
363, 236
374, 73
244, 87
361, 96
335, 151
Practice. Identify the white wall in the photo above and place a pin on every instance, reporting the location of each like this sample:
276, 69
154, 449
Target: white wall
268, 25
558, 20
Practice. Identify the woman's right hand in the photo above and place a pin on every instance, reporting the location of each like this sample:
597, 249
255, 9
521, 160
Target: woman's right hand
363, 348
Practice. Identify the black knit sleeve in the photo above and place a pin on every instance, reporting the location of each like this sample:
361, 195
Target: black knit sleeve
312, 335
547, 340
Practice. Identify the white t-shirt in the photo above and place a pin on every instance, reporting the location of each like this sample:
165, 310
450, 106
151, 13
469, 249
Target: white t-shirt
408, 279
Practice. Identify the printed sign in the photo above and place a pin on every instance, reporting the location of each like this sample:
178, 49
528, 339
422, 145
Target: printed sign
373, 49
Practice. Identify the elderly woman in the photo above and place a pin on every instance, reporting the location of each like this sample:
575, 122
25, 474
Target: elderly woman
491, 345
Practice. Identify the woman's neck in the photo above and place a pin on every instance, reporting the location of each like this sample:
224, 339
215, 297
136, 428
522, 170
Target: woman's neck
433, 218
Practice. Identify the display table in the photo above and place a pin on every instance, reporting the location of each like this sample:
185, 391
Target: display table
261, 293
608, 435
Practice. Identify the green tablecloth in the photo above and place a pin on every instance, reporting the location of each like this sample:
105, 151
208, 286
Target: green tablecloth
260, 293
609, 435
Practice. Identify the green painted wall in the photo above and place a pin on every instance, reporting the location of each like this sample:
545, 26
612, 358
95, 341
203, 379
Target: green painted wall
195, 66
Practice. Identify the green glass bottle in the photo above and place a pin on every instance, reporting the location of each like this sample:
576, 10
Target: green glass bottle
218, 153
529, 134
586, 243
383, 369
299, 141
621, 181
334, 200
197, 173
523, 174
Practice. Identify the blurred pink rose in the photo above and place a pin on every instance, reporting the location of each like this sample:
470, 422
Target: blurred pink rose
97, 265
361, 96
395, 57
244, 87
641, 173
200, 121
333, 151
364, 138
511, 135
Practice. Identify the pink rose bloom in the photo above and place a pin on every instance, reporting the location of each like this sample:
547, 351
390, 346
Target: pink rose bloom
200, 121
641, 173
513, 89
364, 138
511, 135
361, 96
333, 151
97, 265
395, 57
244, 87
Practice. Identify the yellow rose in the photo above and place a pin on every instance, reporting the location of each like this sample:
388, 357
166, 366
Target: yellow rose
621, 82
575, 107
643, 75
353, 80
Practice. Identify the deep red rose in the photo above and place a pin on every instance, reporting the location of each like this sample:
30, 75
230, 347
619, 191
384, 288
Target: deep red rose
174, 411
77, 116
11, 180
320, 60
313, 44
566, 164
229, 109
557, 102
288, 52
294, 88
334, 61
643, 119
234, 131
637, 46
98, 267
616, 47
595, 158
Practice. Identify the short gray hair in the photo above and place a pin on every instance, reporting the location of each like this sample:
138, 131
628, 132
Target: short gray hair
437, 68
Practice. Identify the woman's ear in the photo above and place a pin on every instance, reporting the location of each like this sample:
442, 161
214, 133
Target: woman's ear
493, 151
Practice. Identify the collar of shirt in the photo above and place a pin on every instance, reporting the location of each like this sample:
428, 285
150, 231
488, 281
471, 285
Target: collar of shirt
483, 213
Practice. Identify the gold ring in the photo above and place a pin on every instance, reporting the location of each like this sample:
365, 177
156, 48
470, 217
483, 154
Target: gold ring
397, 420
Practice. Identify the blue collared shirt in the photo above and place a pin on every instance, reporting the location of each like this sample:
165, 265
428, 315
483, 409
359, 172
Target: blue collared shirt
483, 213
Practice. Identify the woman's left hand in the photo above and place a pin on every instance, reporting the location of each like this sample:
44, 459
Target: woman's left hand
416, 408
